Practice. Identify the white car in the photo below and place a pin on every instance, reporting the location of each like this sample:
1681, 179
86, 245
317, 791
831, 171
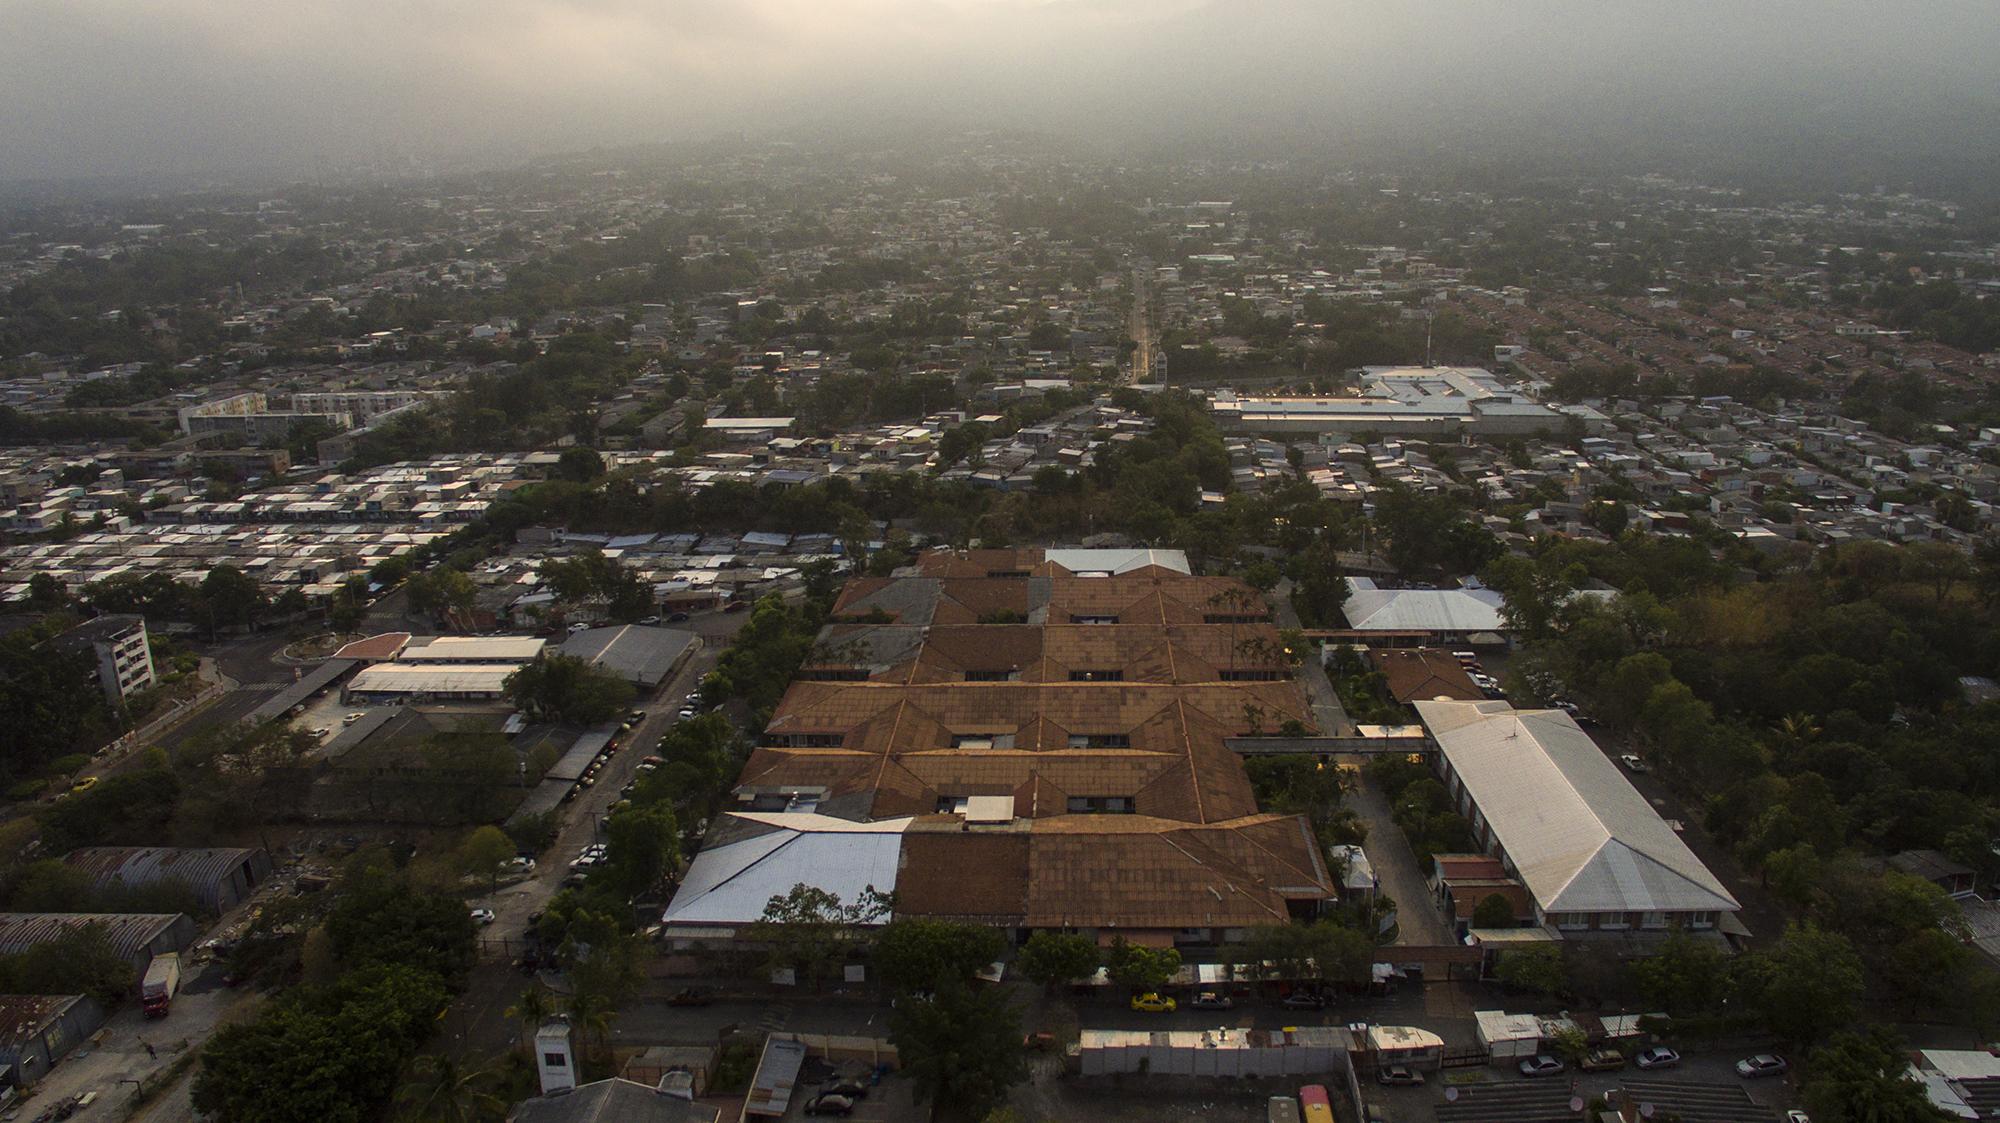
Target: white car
518, 865
1657, 1056
1633, 764
482, 916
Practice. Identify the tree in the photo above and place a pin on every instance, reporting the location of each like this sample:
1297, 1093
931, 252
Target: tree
443, 1091
84, 961
230, 598
918, 954
1684, 975
1864, 1078
1141, 968
320, 1054
482, 851
644, 843
962, 1047
1493, 911
1052, 958
809, 929
579, 465
1814, 985
1537, 969
563, 688
536, 1005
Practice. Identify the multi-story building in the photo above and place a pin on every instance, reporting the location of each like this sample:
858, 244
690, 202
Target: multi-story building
124, 658
1593, 855
1028, 739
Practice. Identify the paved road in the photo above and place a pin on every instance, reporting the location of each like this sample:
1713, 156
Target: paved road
1140, 326
513, 904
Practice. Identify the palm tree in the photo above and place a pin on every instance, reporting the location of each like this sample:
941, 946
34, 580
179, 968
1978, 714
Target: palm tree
590, 1011
443, 1091
535, 1006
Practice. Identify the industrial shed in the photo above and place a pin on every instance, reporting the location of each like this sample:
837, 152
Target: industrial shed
138, 936
38, 1030
638, 654
217, 878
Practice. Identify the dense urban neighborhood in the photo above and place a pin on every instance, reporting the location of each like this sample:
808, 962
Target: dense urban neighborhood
985, 632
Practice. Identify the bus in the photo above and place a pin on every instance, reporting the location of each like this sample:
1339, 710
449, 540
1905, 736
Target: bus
1318, 1108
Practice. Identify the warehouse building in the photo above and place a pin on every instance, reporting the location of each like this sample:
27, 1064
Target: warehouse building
38, 1030
1594, 856
1028, 747
217, 879
643, 656
429, 682
136, 936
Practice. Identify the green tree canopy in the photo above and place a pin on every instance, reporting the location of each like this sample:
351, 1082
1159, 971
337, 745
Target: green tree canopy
563, 688
1051, 958
917, 954
962, 1047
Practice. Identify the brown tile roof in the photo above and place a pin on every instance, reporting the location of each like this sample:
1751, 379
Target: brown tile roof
1194, 851
1422, 674
964, 875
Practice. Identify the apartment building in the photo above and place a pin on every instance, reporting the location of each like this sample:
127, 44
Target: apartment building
124, 658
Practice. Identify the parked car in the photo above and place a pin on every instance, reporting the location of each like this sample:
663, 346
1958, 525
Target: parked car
1657, 1056
482, 916
350, 719
1399, 1075
676, 618
518, 865
685, 713
830, 1104
1761, 1065
1797, 1116
1304, 1000
842, 1086
1603, 1060
1209, 1000
691, 996
1541, 1064
637, 715
1154, 1004
1633, 764
649, 620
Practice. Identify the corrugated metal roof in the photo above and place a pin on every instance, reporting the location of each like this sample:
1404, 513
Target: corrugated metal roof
731, 884
203, 870
1580, 836
1429, 610
130, 933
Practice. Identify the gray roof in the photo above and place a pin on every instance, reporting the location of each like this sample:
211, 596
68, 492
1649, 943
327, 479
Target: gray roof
641, 654
1421, 610
203, 871
611, 1101
131, 933
1580, 836
308, 685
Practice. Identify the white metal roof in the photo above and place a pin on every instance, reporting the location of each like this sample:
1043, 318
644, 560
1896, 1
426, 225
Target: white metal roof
431, 678
1421, 610
473, 649
1117, 561
1580, 836
731, 884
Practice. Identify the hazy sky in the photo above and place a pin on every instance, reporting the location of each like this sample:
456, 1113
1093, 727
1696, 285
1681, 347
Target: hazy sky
93, 87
